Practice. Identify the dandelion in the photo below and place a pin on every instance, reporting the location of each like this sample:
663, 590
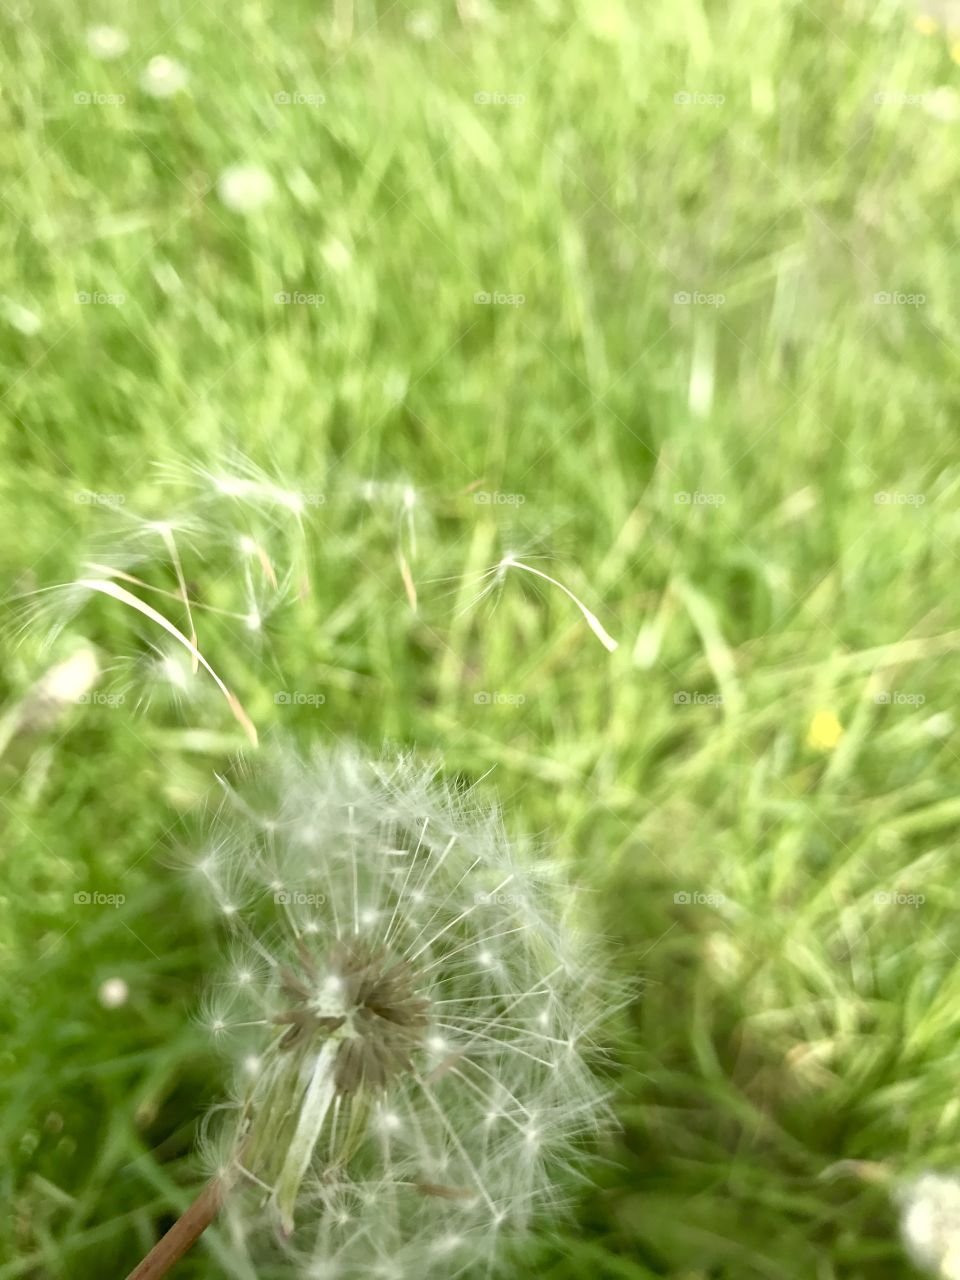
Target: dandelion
113, 993
163, 77
929, 1208
245, 188
106, 42
409, 1018
825, 731
930, 1223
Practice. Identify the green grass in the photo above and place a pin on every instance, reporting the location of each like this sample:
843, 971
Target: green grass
790, 1023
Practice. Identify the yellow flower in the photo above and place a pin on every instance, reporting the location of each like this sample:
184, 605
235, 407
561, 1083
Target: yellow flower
955, 51
825, 731
926, 24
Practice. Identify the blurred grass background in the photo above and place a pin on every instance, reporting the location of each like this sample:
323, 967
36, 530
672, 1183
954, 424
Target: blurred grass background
771, 749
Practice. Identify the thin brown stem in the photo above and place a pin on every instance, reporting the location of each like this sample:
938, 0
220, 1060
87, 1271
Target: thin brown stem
184, 1233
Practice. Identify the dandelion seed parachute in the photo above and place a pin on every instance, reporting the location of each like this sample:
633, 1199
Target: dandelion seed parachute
409, 1014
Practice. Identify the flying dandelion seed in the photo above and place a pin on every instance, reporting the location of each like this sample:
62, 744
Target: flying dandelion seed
215, 573
510, 561
419, 1012
125, 597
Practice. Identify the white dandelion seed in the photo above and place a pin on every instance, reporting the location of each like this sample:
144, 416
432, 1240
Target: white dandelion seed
107, 43
410, 1108
245, 188
499, 571
163, 77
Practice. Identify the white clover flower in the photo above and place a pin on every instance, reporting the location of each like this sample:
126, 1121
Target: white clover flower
163, 77
106, 42
930, 1223
409, 1016
245, 188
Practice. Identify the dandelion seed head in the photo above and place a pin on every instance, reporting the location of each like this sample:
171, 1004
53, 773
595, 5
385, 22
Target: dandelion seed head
163, 77
245, 188
930, 1223
113, 993
106, 42
409, 1104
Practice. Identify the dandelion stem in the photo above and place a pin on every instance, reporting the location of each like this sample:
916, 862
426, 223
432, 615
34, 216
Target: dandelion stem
183, 1235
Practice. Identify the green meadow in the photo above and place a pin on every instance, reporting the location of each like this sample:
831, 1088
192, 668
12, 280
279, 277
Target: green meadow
354, 320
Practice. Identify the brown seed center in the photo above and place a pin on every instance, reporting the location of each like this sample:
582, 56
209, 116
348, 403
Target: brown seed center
368, 999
